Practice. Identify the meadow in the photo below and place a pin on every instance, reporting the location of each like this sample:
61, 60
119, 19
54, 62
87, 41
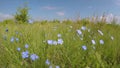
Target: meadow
51, 44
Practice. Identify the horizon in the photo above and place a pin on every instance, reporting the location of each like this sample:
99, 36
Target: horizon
69, 9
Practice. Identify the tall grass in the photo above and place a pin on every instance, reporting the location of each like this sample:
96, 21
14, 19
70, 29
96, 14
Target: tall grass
68, 55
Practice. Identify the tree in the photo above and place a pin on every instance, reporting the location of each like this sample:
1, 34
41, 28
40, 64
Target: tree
22, 15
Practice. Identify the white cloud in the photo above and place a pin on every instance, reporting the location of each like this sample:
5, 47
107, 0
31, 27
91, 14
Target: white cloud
49, 7
5, 16
60, 13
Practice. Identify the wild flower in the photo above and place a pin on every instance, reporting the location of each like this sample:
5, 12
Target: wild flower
59, 35
79, 32
83, 28
112, 38
26, 45
50, 42
93, 42
12, 39
101, 42
25, 54
47, 62
54, 42
60, 41
30, 21
88, 30
84, 47
18, 49
57, 66
17, 39
101, 33
34, 57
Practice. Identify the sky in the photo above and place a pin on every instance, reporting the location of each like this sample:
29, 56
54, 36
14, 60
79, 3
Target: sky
60, 9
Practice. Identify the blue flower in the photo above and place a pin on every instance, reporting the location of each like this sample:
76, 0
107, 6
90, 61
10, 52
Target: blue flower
57, 66
59, 35
83, 28
26, 45
12, 39
50, 42
84, 47
60, 41
25, 54
34, 57
79, 32
17, 39
47, 62
93, 42
18, 49
30, 21
101, 42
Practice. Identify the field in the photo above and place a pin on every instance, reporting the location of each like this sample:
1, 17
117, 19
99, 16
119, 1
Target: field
80, 44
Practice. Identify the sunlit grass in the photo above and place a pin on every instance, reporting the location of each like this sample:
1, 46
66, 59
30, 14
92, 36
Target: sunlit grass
77, 51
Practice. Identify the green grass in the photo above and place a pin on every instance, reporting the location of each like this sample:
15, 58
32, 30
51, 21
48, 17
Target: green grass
68, 55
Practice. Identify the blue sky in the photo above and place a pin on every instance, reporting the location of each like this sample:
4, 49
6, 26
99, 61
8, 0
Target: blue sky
60, 9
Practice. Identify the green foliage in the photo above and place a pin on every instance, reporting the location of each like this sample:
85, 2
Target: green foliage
22, 15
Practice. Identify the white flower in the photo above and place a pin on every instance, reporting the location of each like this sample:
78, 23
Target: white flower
101, 42
79, 32
112, 37
93, 42
101, 33
60, 41
83, 28
50, 42
88, 30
